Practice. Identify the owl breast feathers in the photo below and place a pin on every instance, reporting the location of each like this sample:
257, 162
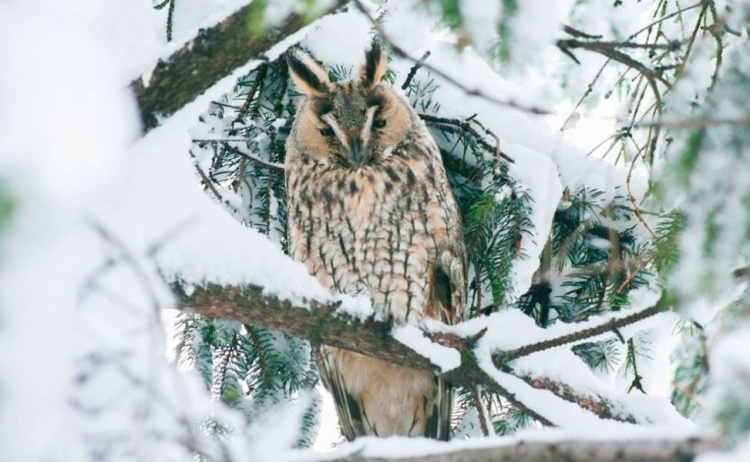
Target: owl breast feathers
371, 212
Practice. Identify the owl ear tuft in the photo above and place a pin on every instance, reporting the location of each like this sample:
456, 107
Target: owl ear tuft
374, 67
308, 76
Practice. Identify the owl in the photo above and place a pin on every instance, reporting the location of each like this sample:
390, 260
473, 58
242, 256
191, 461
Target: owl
370, 211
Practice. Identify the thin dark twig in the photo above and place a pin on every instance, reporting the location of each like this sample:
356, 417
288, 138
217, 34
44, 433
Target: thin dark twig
673, 45
249, 157
170, 20
610, 52
465, 124
259, 76
586, 94
583, 334
498, 152
636, 383
481, 411
664, 18
577, 33
156, 246
714, 30
131, 261
414, 69
696, 122
208, 183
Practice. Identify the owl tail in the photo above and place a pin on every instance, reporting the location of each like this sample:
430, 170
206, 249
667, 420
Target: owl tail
374, 398
438, 423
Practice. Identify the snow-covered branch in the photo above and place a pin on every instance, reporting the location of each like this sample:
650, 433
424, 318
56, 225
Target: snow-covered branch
213, 54
329, 323
573, 450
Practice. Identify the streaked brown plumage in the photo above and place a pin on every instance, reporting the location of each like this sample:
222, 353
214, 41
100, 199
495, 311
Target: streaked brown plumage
370, 211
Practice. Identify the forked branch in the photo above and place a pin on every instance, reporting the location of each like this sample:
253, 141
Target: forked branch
324, 322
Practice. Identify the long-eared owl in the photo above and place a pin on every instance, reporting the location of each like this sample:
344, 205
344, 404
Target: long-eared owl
370, 211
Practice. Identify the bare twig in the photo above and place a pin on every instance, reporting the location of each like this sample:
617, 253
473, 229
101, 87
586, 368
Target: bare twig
586, 94
414, 69
501, 357
257, 84
606, 49
696, 122
573, 32
672, 46
665, 17
465, 124
249, 157
481, 411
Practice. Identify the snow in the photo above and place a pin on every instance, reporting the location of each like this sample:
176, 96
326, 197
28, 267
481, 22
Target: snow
443, 357
102, 216
469, 427
511, 329
740, 453
483, 18
203, 241
354, 26
540, 175
394, 447
536, 26
99, 220
46, 150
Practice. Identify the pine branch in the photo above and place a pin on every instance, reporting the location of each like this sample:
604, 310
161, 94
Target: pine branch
251, 158
577, 336
465, 124
595, 404
320, 323
624, 450
203, 61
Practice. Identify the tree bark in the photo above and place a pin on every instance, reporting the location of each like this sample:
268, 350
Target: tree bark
213, 54
631, 450
320, 323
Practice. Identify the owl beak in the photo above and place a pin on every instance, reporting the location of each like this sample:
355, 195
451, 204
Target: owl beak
357, 155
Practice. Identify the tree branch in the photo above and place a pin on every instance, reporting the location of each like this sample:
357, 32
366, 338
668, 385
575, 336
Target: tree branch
321, 322
250, 157
577, 336
414, 69
609, 50
212, 55
630, 450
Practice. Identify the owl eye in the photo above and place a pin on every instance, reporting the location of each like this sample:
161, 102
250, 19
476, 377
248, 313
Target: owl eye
327, 131
378, 123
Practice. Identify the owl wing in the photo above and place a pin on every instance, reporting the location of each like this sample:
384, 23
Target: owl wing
448, 289
449, 284
347, 407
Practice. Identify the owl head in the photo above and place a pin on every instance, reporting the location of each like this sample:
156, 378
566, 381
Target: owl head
352, 124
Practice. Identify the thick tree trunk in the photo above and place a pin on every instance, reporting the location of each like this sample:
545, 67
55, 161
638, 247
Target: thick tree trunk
213, 54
